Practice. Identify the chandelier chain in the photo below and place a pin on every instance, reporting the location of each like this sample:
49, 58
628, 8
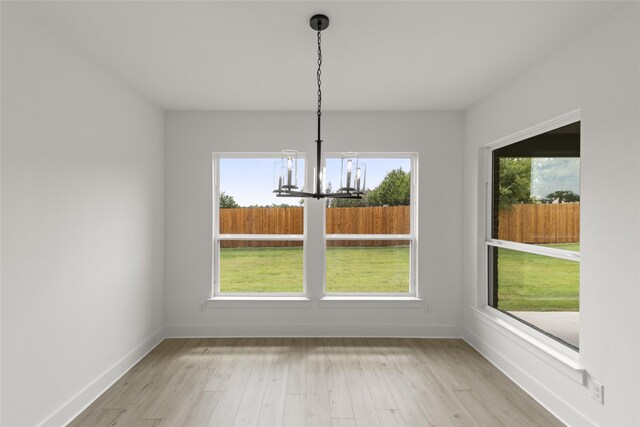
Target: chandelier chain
318, 74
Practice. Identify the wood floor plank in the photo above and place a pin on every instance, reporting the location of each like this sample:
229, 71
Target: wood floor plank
181, 401
407, 405
176, 393
339, 396
145, 374
314, 381
364, 410
454, 409
147, 423
380, 393
316, 356
272, 408
202, 409
297, 376
380, 352
251, 402
432, 407
225, 368
343, 422
390, 418
318, 412
281, 351
480, 412
227, 407
295, 410
99, 418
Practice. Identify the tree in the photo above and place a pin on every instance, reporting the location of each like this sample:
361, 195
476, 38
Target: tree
394, 190
227, 201
349, 203
562, 196
515, 182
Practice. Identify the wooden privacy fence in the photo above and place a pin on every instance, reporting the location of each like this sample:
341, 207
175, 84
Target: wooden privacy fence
530, 223
540, 223
368, 220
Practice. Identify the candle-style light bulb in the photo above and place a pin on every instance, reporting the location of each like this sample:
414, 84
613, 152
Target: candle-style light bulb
349, 163
358, 175
289, 167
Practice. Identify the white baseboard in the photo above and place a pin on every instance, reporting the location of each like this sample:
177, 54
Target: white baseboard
78, 403
313, 330
560, 408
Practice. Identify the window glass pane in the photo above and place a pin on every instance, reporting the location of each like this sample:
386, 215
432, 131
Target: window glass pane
261, 266
540, 290
384, 209
536, 190
368, 266
247, 202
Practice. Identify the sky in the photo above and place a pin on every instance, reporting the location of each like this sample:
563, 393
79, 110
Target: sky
554, 174
251, 180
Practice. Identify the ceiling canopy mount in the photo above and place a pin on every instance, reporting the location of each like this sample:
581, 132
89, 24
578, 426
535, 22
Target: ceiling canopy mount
319, 22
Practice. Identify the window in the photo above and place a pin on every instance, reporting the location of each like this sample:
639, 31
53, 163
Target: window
259, 238
371, 243
533, 239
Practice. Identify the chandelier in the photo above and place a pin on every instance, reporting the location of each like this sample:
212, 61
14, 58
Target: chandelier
353, 174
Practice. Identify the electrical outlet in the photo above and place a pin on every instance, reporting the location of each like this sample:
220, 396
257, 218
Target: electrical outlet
597, 392
203, 307
427, 308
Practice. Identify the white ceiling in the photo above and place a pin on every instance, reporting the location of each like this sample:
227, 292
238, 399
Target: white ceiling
261, 56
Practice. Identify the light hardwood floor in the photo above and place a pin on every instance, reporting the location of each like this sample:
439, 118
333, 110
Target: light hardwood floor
314, 382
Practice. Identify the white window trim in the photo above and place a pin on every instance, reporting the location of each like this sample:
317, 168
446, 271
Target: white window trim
413, 296
535, 249
304, 299
262, 301
565, 359
386, 300
559, 356
247, 299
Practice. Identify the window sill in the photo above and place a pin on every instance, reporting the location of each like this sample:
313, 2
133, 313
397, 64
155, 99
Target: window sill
335, 301
555, 354
258, 302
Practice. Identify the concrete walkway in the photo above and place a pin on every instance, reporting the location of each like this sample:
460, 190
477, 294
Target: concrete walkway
562, 324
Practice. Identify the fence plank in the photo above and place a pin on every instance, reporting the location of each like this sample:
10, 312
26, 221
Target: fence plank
367, 220
526, 223
540, 223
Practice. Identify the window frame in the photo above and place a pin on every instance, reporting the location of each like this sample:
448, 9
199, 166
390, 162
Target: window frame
217, 237
544, 341
412, 236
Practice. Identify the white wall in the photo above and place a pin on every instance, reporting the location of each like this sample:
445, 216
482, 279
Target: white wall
191, 138
82, 226
598, 73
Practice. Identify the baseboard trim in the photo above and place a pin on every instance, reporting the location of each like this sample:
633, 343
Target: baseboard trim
382, 330
78, 403
564, 411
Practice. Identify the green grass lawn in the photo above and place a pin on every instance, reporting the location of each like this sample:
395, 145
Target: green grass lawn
368, 269
350, 269
261, 269
527, 282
